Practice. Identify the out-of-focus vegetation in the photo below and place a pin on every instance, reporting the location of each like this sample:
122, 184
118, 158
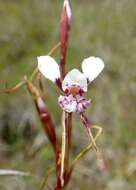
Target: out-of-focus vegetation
107, 29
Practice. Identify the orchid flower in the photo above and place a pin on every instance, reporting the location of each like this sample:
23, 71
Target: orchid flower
73, 86
75, 83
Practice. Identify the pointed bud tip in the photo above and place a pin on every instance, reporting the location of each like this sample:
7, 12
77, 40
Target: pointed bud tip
68, 8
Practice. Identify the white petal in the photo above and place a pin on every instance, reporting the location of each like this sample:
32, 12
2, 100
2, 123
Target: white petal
48, 67
91, 67
75, 77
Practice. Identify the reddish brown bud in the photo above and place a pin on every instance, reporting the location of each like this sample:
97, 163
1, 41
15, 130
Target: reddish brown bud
43, 114
64, 31
46, 120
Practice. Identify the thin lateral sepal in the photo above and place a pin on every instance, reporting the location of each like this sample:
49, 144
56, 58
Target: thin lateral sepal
13, 89
35, 71
41, 84
43, 182
87, 148
88, 127
31, 78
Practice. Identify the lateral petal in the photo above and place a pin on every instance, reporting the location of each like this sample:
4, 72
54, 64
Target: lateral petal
48, 67
92, 67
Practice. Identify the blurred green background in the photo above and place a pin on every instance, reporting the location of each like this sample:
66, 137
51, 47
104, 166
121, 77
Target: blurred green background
103, 28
